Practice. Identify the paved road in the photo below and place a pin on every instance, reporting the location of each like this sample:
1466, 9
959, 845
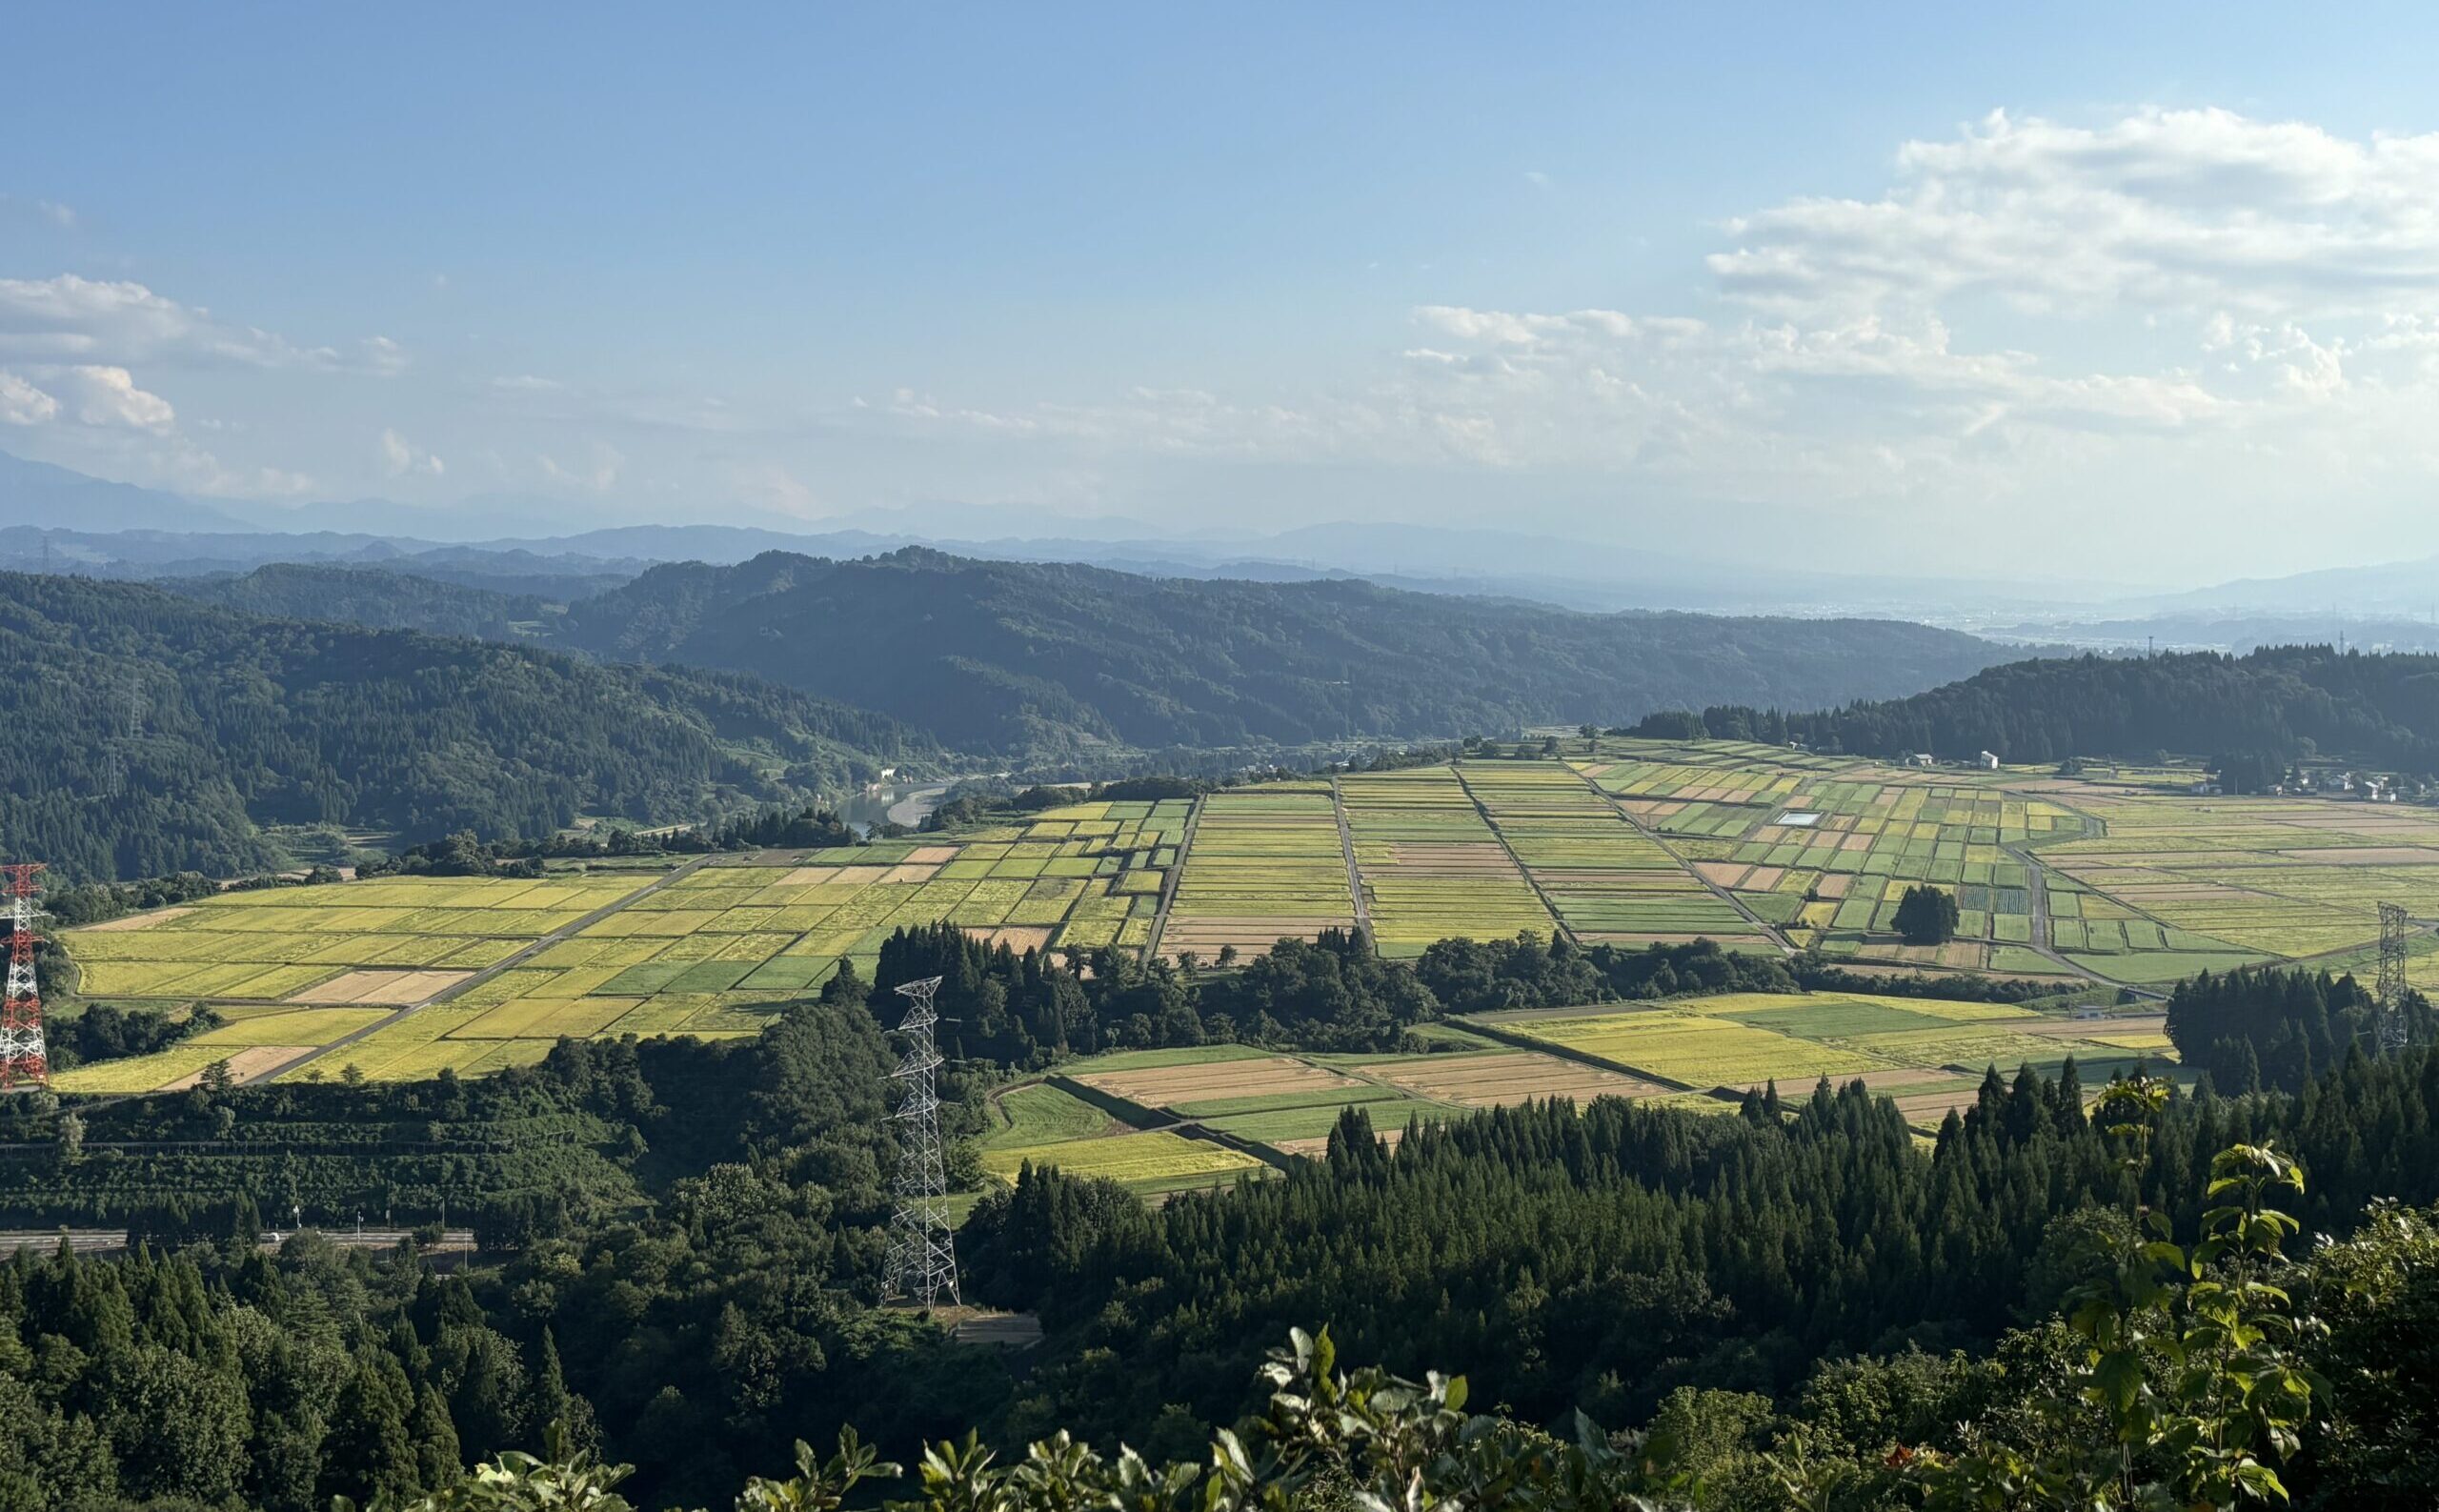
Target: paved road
1169, 886
108, 1241
1353, 872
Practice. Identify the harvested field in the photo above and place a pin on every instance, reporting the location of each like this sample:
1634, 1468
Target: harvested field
392, 987
1019, 939
1502, 1079
1163, 1086
1315, 1147
302, 1027
250, 1061
1315, 1120
120, 926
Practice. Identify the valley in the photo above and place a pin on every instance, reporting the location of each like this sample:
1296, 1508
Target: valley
2079, 889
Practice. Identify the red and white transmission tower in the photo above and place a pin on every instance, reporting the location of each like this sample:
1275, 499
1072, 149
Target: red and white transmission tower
23, 1059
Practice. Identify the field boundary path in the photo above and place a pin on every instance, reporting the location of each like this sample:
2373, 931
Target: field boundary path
1770, 931
2036, 898
1551, 1047
1169, 884
1490, 821
1353, 872
477, 978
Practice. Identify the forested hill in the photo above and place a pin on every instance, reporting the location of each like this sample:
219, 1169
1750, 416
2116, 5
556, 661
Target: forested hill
1031, 659
370, 597
2375, 708
150, 733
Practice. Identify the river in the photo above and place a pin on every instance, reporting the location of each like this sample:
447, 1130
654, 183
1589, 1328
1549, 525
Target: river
893, 804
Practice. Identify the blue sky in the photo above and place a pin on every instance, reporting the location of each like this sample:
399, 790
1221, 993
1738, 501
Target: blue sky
2143, 273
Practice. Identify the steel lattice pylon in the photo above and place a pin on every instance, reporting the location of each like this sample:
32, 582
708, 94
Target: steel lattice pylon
922, 1248
23, 1059
2394, 926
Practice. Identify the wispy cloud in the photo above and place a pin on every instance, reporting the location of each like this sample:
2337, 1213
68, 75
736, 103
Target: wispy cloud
401, 457
71, 318
2186, 294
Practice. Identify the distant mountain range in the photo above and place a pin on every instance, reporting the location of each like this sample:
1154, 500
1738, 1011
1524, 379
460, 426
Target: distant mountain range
2225, 630
40, 495
51, 518
148, 533
2406, 590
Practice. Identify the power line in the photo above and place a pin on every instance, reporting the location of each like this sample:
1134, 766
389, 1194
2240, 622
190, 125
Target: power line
922, 1246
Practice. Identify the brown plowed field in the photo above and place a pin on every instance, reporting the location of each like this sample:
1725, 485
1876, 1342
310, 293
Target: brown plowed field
1495, 1078
1159, 1086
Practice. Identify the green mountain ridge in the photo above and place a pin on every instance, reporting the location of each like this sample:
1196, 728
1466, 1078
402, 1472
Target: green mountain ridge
153, 733
2370, 706
1037, 662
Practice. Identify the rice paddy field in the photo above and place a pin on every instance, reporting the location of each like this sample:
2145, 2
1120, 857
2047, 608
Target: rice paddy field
1431, 865
1268, 1104
2221, 880
1152, 1164
392, 941
1606, 880
1171, 1120
1265, 864
2093, 880
1823, 849
497, 972
1927, 1054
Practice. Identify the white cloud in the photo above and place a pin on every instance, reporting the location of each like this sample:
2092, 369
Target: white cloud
107, 396
2129, 323
2168, 210
21, 403
85, 394
403, 458
74, 319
